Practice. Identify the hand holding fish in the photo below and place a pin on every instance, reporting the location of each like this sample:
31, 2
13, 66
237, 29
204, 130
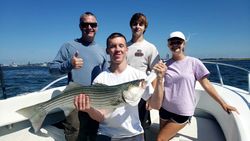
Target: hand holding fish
82, 103
160, 69
76, 61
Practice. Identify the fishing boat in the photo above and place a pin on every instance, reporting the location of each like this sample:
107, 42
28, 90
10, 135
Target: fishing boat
209, 123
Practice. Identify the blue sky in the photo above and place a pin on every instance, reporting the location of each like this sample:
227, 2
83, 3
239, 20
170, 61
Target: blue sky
34, 30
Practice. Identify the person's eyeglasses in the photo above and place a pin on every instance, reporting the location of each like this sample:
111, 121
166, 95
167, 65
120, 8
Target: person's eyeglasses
178, 42
85, 25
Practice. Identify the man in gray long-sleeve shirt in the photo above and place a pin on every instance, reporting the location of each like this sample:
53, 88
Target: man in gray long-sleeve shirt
82, 59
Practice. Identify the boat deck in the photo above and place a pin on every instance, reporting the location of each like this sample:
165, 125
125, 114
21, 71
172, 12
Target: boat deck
201, 128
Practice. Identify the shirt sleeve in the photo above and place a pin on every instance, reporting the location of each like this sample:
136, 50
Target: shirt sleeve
106, 62
62, 62
99, 79
200, 70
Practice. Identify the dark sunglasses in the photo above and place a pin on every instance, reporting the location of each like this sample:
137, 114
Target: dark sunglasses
176, 42
85, 25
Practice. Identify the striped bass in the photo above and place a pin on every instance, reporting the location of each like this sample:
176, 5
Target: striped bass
101, 97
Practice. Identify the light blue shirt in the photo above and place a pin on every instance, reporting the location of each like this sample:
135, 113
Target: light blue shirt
94, 57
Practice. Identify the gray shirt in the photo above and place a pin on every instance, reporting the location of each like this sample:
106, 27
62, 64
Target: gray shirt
142, 55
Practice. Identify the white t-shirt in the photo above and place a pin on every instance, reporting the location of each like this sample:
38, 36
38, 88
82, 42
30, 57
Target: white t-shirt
123, 121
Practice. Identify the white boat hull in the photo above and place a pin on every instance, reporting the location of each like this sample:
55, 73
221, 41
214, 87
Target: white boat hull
209, 123
15, 127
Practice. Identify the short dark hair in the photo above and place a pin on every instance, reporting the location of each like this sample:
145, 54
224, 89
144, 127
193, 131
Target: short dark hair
112, 36
139, 17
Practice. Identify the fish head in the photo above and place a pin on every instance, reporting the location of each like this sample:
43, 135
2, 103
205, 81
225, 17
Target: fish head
134, 92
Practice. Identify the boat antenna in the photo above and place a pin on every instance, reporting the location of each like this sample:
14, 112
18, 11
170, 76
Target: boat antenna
189, 36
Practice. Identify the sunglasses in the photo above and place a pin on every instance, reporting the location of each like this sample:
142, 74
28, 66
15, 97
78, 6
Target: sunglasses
85, 25
176, 42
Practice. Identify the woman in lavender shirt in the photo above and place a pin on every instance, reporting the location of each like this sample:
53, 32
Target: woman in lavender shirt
179, 101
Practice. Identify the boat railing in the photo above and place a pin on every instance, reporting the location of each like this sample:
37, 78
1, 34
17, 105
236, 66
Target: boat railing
53, 82
218, 64
228, 65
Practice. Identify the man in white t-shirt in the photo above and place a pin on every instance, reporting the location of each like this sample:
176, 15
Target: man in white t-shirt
123, 123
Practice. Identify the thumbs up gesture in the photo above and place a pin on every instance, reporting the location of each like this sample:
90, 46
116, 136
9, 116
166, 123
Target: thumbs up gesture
76, 61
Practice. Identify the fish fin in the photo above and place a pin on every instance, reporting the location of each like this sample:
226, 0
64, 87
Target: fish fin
35, 114
26, 112
99, 84
37, 121
71, 86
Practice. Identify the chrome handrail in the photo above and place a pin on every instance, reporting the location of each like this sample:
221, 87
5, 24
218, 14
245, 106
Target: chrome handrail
229, 65
53, 82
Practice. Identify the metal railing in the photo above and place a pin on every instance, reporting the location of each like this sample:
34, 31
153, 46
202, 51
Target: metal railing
205, 62
53, 82
228, 65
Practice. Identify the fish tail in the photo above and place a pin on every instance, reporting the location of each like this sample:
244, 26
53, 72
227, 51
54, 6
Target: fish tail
35, 114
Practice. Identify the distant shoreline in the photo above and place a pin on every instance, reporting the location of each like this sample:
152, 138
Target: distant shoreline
225, 59
45, 64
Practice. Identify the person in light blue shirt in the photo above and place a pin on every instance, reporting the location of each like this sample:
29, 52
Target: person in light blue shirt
69, 60
82, 60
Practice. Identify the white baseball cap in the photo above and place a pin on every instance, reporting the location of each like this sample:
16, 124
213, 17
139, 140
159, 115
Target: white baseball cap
177, 34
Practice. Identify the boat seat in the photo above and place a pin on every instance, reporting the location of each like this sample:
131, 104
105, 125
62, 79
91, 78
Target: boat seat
200, 129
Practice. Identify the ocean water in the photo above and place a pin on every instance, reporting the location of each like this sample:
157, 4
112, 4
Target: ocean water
231, 76
19, 80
